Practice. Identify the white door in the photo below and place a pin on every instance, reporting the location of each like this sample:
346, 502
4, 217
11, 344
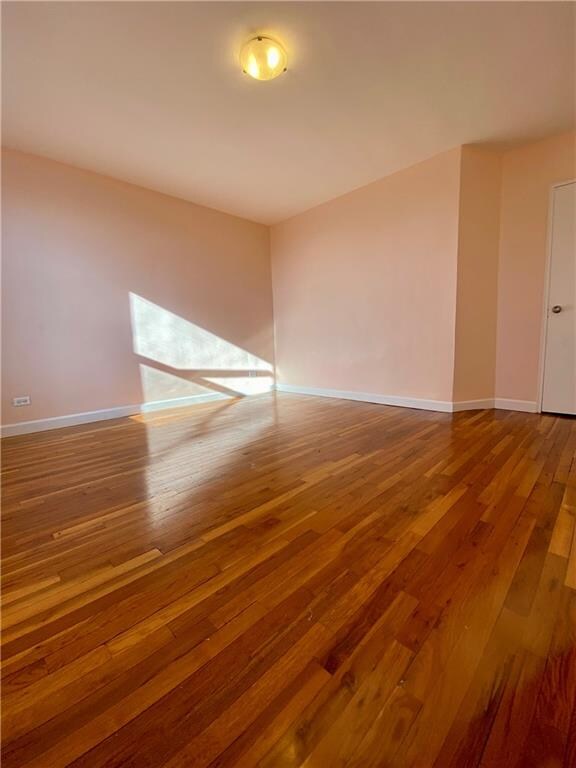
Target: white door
559, 393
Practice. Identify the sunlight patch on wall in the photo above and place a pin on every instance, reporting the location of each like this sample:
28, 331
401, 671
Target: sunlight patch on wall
159, 385
183, 359
251, 385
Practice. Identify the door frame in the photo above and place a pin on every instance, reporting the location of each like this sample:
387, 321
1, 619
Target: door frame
547, 273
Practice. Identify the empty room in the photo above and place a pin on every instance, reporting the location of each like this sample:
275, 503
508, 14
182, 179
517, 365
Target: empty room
288, 384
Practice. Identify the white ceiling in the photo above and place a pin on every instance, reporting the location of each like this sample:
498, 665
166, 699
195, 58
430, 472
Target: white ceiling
152, 92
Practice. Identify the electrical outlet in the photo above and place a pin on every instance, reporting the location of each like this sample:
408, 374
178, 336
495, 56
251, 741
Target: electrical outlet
24, 400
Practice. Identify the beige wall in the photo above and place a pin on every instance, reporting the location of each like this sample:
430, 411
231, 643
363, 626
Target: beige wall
96, 270
527, 175
477, 292
426, 284
365, 286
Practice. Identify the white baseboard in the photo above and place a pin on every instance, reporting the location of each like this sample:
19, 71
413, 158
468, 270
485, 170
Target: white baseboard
528, 406
57, 422
444, 406
367, 397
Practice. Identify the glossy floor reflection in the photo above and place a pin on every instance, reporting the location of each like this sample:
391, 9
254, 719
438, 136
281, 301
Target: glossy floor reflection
287, 581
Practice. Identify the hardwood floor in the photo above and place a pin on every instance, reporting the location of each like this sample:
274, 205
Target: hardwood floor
291, 581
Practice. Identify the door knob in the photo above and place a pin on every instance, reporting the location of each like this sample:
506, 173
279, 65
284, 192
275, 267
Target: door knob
556, 309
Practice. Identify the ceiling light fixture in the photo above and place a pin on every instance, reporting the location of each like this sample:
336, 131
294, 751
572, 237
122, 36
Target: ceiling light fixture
263, 58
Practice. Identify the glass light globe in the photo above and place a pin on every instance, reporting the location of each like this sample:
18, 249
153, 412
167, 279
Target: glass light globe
263, 58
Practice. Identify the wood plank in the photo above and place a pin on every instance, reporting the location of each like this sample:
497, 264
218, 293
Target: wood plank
285, 581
